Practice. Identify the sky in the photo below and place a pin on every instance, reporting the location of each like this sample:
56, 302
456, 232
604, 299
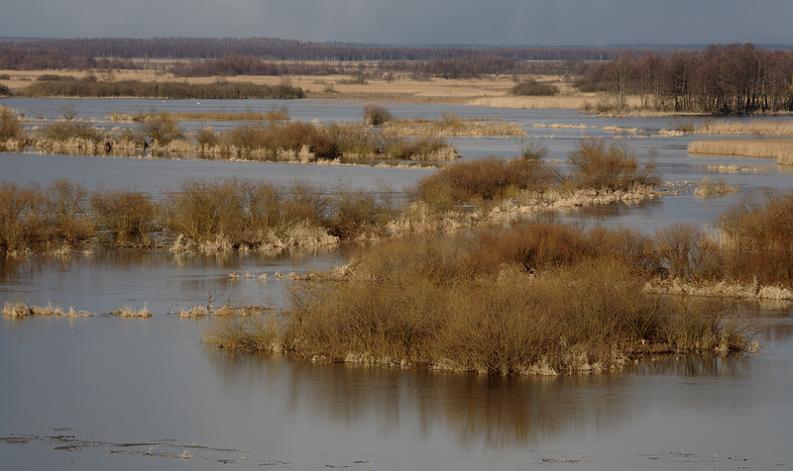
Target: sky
496, 22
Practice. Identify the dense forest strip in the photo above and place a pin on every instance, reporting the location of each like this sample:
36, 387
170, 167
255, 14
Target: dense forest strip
734, 79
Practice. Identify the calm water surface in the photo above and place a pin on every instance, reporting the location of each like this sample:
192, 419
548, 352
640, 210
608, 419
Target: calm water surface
141, 393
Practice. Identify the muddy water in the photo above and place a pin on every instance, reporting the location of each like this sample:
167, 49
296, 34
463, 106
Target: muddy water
107, 393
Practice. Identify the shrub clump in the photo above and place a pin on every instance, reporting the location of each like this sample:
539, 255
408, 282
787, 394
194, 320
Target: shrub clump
599, 165
759, 238
129, 217
483, 180
532, 87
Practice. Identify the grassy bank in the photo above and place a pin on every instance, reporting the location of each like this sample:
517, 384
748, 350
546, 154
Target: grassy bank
535, 299
782, 151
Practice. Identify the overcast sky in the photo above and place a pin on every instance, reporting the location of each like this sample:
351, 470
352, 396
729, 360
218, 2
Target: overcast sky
539, 22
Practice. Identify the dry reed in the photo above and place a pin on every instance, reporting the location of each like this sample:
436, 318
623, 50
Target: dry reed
782, 151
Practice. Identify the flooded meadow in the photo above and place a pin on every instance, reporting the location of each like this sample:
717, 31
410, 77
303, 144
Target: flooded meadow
105, 392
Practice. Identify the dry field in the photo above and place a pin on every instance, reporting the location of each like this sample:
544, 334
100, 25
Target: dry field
492, 91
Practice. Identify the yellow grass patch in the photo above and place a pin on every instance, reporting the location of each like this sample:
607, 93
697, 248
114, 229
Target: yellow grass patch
782, 151
707, 188
766, 127
453, 126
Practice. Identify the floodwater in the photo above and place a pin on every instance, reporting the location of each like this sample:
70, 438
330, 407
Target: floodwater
126, 394
107, 393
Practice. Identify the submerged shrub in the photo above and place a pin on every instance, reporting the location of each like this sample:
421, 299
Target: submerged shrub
374, 115
204, 211
609, 167
354, 212
162, 129
688, 253
20, 217
533, 151
66, 215
10, 126
206, 138
427, 148
131, 217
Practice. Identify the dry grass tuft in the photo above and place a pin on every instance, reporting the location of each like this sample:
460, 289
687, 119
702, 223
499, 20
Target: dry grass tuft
20, 310
128, 312
707, 188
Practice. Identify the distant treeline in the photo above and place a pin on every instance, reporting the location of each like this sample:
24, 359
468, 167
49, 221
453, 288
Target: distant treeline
738, 78
90, 87
32, 56
283, 49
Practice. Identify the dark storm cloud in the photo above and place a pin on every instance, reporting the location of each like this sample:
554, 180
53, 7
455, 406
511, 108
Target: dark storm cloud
412, 21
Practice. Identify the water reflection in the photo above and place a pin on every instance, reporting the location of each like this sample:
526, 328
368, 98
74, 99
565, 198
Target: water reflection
494, 412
